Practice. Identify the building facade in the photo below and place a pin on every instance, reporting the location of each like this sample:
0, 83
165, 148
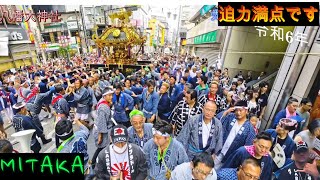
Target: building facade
206, 38
21, 45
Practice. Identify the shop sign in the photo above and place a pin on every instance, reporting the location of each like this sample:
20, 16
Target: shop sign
72, 25
16, 34
205, 9
210, 37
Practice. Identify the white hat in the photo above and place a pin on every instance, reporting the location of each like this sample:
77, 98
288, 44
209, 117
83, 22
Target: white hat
19, 105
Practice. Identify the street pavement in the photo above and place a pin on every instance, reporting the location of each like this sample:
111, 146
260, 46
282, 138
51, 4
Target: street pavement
48, 126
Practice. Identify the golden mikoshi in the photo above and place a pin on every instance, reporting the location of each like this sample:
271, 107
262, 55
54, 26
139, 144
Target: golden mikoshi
118, 40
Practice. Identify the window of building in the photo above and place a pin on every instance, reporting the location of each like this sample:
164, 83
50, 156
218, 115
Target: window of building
46, 37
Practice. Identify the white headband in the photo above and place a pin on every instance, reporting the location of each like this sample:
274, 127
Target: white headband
154, 131
64, 134
240, 107
108, 92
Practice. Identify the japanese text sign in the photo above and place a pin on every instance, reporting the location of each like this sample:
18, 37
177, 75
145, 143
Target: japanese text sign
22, 16
268, 14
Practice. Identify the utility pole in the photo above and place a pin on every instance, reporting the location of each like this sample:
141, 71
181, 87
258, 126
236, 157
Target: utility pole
34, 40
94, 20
105, 18
178, 30
82, 14
79, 30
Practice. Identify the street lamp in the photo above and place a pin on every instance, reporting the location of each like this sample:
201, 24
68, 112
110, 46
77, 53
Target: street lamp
65, 42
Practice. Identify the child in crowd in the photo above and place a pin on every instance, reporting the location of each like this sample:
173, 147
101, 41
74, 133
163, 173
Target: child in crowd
254, 122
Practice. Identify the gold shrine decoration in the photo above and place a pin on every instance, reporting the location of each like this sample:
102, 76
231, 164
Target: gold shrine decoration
116, 33
117, 41
122, 16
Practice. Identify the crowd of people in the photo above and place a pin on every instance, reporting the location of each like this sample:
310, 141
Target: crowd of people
174, 119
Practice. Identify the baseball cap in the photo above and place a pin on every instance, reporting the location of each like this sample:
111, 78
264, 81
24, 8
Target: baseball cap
301, 146
119, 133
